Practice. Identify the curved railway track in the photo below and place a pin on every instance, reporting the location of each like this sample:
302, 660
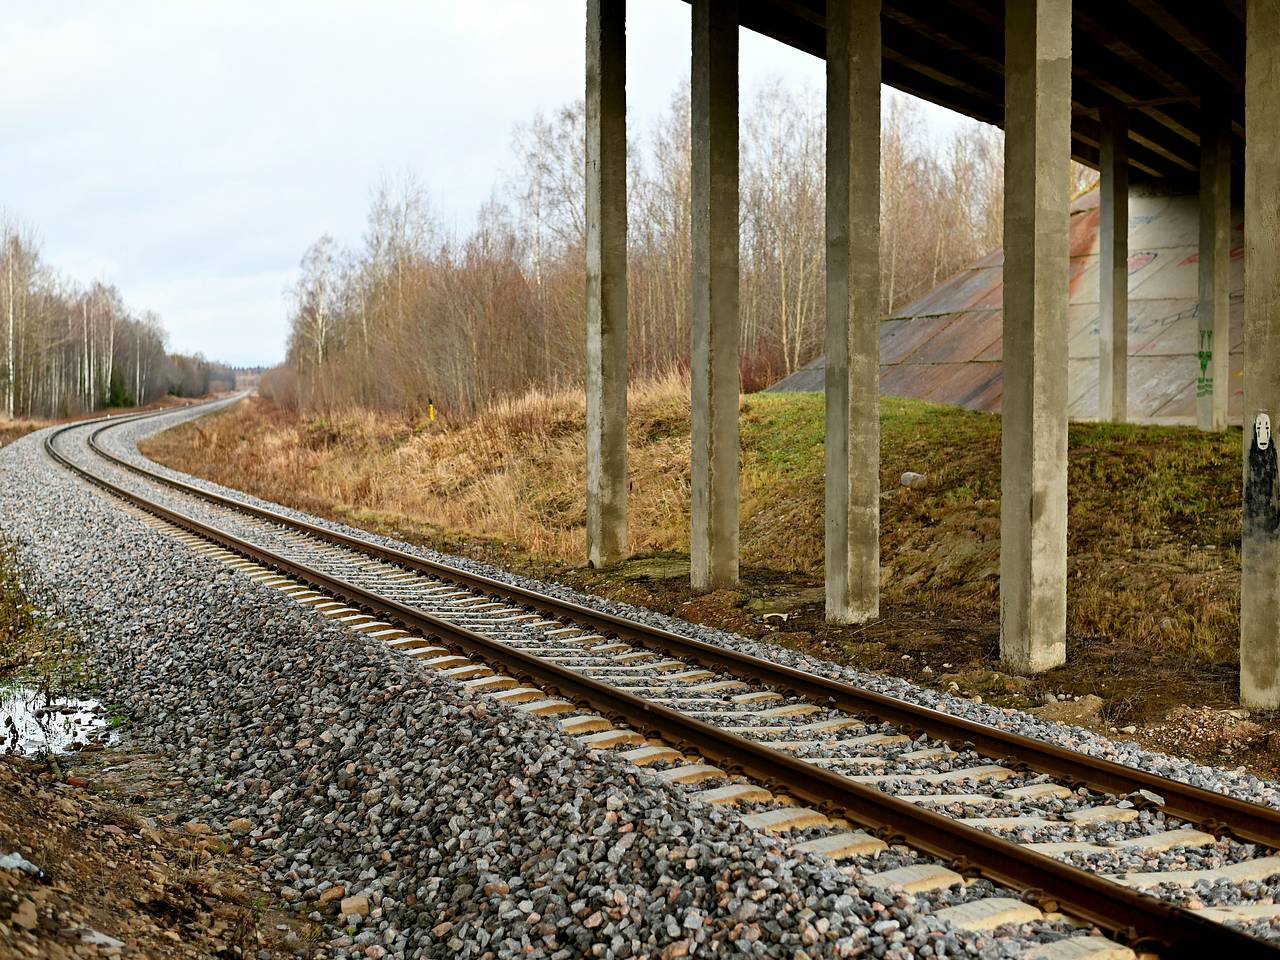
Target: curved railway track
776, 739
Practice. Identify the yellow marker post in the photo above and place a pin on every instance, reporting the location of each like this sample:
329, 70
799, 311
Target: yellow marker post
431, 412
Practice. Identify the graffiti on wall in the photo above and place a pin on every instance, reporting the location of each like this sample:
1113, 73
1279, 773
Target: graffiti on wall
1204, 382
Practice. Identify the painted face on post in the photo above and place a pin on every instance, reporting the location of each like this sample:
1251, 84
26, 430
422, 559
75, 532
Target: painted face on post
1262, 431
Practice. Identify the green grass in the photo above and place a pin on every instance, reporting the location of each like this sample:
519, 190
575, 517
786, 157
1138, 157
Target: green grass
1153, 517
1153, 522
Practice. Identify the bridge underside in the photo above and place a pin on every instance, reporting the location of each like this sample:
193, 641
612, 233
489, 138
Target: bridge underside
1143, 90
1170, 64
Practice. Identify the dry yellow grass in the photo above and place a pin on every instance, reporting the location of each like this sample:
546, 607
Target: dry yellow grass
11, 430
1154, 512
517, 475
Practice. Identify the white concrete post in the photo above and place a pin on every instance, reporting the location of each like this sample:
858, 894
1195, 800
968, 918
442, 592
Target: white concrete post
1033, 478
713, 541
606, 380
1260, 550
1213, 384
853, 312
1113, 267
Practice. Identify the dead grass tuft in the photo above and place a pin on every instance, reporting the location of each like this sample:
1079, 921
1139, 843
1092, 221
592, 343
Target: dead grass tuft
1154, 512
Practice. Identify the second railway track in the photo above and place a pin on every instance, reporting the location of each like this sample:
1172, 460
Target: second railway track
841, 769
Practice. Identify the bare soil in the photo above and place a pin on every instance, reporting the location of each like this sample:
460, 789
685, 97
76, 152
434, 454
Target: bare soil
124, 873
1154, 527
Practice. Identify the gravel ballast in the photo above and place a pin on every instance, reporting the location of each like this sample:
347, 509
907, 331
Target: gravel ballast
1238, 783
469, 829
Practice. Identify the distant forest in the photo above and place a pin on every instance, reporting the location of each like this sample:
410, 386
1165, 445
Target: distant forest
412, 313
69, 348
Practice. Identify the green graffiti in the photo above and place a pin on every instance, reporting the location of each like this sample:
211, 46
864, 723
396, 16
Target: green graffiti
1204, 382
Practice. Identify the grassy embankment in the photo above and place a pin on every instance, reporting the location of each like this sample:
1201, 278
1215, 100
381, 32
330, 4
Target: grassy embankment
1154, 527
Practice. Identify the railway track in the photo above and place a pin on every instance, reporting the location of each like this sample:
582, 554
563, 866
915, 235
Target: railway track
835, 769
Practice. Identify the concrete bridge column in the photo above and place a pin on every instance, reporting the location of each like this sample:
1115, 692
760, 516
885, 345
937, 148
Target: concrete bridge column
606, 212
713, 541
1113, 267
1260, 551
853, 311
1033, 479
1213, 383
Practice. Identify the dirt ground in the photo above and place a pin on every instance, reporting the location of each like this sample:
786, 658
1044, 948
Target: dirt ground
122, 872
1153, 540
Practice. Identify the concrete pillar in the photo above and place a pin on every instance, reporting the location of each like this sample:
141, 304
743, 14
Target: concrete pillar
853, 311
1260, 551
1113, 267
606, 379
1033, 478
1213, 385
713, 542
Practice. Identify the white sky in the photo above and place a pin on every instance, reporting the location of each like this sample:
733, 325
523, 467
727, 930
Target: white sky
190, 150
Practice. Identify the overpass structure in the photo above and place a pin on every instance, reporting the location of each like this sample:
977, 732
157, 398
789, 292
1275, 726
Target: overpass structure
1182, 96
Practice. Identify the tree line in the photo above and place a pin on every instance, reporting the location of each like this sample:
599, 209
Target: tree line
69, 348
412, 314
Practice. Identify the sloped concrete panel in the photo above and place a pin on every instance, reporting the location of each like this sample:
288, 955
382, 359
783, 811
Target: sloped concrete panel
959, 323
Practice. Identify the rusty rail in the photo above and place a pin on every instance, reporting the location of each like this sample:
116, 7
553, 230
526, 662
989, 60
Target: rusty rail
1131, 917
1211, 811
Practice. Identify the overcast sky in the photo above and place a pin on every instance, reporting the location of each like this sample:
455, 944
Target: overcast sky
190, 150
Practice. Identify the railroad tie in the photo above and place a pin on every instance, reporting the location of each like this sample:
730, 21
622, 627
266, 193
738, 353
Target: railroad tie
1256, 870
987, 771
414, 643
607, 739
1036, 791
963, 799
635, 657
719, 686
585, 723
1105, 814
756, 696
1081, 948
495, 682
785, 818
548, 707
1009, 823
734, 793
1241, 912
470, 671
690, 773
916, 878
651, 753
607, 648
797, 745
443, 663
831, 726
518, 695
841, 846
981, 916
1154, 843
372, 626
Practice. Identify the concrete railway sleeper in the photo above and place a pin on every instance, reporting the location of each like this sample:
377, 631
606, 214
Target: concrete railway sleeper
752, 746
1215, 812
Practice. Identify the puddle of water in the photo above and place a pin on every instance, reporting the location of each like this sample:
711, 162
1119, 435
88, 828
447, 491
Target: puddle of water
31, 723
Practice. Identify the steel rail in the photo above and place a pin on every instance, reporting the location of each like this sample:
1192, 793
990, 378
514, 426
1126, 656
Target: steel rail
1213, 812
1139, 920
